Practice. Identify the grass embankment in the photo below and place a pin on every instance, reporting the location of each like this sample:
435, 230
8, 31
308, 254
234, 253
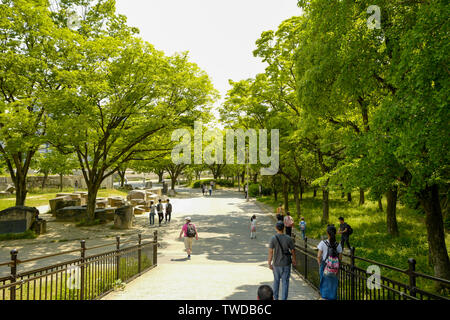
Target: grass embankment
370, 237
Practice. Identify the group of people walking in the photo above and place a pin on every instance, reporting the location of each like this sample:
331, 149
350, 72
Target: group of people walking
164, 212
289, 222
205, 188
282, 255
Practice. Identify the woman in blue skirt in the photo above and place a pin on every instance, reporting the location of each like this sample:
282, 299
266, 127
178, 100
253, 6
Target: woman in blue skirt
328, 282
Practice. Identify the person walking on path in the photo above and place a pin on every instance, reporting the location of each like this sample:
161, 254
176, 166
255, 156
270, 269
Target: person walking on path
152, 213
280, 212
288, 223
246, 191
253, 227
328, 258
159, 209
210, 189
345, 231
302, 226
203, 189
282, 251
189, 231
168, 210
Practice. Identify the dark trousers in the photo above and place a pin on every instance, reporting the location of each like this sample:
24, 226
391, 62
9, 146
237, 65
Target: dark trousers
152, 219
345, 240
168, 216
161, 217
289, 231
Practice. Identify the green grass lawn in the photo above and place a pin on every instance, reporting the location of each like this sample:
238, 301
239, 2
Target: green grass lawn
38, 197
370, 236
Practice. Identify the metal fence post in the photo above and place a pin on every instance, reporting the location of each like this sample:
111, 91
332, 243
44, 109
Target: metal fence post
139, 252
306, 258
352, 272
82, 268
117, 257
13, 265
412, 276
155, 248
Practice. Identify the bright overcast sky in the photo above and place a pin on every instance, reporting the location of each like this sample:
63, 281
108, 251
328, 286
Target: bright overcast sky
220, 35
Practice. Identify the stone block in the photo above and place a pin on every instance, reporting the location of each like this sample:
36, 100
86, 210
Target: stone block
73, 213
136, 195
63, 202
116, 202
101, 203
137, 202
17, 219
139, 210
123, 218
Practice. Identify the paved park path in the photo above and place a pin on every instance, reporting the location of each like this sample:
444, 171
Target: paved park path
225, 263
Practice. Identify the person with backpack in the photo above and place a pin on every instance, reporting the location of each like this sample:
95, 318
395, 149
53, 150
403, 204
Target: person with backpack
168, 210
280, 211
159, 209
288, 223
302, 226
253, 227
203, 189
329, 257
152, 213
282, 252
345, 231
189, 231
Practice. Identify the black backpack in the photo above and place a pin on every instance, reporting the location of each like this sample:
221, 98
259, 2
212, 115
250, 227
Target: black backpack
190, 231
159, 207
349, 229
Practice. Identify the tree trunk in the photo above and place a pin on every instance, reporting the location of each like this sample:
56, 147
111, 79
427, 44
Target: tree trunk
44, 181
361, 196
349, 196
275, 193
297, 199
391, 209
301, 191
325, 205
21, 189
286, 195
60, 182
380, 204
315, 192
429, 199
239, 183
91, 202
255, 178
160, 176
173, 181
122, 177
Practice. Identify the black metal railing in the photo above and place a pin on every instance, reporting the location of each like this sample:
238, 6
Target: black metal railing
356, 283
87, 277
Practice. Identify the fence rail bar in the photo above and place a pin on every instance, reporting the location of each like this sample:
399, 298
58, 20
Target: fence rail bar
353, 279
94, 276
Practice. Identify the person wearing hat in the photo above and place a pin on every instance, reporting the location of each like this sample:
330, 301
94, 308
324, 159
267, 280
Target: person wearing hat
189, 231
281, 257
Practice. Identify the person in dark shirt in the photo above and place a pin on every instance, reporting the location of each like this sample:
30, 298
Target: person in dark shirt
344, 232
281, 257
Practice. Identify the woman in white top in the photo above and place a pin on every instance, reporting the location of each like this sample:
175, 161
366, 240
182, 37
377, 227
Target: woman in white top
328, 284
253, 227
